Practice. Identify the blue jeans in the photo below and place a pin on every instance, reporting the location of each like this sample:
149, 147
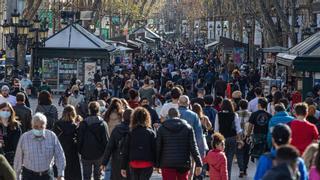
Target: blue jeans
230, 150
107, 173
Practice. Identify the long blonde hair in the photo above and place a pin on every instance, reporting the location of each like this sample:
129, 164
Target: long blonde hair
309, 154
69, 114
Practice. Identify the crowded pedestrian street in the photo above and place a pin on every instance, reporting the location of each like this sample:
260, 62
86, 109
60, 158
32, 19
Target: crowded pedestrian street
160, 90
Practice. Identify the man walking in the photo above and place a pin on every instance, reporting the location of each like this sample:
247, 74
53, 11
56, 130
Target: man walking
36, 151
23, 113
174, 160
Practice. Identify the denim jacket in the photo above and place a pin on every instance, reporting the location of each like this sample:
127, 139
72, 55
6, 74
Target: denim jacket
193, 119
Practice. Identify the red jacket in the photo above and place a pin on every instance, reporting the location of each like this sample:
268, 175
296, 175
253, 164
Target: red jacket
217, 162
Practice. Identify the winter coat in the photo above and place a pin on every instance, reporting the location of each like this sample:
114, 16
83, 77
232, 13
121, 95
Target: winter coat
176, 142
217, 162
24, 115
92, 138
11, 138
66, 132
139, 145
113, 150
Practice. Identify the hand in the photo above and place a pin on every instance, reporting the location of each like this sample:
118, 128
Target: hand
158, 170
156, 125
123, 173
198, 171
103, 168
60, 178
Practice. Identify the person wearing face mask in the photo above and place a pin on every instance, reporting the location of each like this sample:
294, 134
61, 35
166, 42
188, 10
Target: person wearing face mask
75, 98
36, 151
88, 90
18, 89
98, 91
8, 98
10, 131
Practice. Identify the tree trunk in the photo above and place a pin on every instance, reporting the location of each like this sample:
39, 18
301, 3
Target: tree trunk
269, 24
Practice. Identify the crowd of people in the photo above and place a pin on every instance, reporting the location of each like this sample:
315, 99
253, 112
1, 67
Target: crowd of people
178, 111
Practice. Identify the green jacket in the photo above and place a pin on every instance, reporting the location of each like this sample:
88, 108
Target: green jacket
6, 171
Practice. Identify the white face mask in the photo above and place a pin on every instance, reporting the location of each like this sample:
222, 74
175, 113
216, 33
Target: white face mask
99, 89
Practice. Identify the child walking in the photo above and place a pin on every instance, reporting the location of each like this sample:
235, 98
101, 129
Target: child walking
216, 159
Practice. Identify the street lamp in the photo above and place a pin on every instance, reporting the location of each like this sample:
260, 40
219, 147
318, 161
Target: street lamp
210, 30
37, 35
296, 31
218, 27
225, 28
248, 28
16, 33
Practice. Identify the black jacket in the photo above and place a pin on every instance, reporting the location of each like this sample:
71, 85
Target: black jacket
11, 139
175, 143
66, 132
24, 115
116, 141
153, 114
15, 91
139, 145
92, 138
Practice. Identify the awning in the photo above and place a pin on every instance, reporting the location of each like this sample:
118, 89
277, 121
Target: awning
275, 49
285, 59
123, 48
214, 43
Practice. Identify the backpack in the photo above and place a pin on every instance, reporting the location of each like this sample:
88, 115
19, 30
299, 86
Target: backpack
91, 147
49, 115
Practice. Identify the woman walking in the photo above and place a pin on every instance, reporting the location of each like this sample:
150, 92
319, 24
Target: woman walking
66, 130
46, 107
10, 131
139, 150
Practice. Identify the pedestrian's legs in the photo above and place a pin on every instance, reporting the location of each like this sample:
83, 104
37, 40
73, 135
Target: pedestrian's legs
107, 173
246, 156
230, 149
169, 174
239, 155
87, 170
182, 176
96, 170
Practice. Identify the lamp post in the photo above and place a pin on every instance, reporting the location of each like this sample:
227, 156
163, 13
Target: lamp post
296, 31
218, 27
250, 44
15, 30
225, 28
210, 31
197, 32
38, 33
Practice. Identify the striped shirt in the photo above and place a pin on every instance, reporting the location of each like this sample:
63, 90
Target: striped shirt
39, 154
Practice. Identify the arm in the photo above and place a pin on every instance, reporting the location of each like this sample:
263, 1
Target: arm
110, 148
302, 169
7, 172
199, 135
263, 166
194, 148
216, 123
59, 157
223, 168
18, 158
158, 147
124, 154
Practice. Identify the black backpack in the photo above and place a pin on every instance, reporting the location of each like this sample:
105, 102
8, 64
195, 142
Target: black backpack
49, 115
91, 147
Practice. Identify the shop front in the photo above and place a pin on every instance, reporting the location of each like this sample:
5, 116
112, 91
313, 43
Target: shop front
80, 57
